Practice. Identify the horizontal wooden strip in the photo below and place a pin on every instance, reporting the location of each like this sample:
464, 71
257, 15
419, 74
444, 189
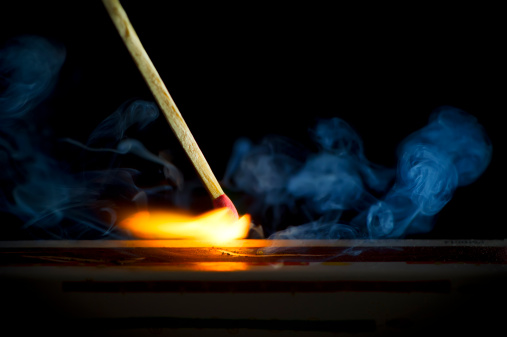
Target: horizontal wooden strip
247, 243
144, 256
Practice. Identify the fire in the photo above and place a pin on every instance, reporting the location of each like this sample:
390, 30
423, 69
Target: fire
217, 225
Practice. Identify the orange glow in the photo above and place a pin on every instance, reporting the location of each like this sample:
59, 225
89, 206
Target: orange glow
220, 266
215, 226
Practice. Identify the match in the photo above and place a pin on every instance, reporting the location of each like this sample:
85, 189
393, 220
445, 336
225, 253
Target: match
167, 105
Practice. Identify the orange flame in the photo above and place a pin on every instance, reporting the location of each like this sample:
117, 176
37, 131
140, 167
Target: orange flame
214, 226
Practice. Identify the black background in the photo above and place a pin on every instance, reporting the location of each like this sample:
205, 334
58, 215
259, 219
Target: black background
255, 69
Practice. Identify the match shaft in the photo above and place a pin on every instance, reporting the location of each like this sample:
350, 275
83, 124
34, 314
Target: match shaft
162, 96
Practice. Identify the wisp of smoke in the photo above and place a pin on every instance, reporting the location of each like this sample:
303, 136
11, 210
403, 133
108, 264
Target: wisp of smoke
452, 150
28, 69
343, 195
50, 199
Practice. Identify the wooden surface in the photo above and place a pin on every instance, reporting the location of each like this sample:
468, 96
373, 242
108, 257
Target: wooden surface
163, 252
366, 287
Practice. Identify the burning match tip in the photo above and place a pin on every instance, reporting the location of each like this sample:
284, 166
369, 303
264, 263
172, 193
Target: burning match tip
224, 201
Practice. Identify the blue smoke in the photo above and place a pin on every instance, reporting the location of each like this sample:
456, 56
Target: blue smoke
339, 176
28, 72
452, 150
50, 199
343, 195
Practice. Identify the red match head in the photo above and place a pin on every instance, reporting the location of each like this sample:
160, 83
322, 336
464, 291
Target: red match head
224, 201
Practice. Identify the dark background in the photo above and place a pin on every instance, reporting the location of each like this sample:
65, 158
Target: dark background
255, 69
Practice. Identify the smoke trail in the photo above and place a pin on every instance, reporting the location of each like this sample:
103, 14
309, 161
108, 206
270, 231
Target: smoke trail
263, 172
452, 150
135, 114
292, 183
337, 177
343, 195
48, 197
28, 71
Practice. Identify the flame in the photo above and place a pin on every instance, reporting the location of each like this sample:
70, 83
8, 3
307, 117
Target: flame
214, 226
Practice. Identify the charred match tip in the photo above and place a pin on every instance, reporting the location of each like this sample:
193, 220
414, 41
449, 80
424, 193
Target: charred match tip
224, 201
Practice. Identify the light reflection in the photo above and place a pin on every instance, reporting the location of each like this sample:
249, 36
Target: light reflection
220, 266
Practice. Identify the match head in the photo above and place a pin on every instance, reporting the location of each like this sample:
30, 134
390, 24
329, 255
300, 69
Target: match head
224, 201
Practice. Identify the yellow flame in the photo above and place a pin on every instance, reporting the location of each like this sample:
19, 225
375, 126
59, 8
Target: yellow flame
217, 225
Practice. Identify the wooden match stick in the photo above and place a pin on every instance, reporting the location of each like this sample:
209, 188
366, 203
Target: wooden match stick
166, 104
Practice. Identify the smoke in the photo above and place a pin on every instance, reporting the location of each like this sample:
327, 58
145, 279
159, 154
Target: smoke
452, 150
110, 136
343, 195
29, 66
56, 197
331, 191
